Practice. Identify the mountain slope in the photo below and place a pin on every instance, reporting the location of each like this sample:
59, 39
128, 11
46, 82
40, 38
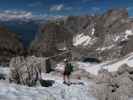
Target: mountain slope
106, 36
51, 40
10, 45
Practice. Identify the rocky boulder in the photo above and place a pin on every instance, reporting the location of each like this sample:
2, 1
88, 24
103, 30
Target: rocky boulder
110, 87
27, 71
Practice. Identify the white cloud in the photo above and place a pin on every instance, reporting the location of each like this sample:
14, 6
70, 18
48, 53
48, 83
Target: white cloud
7, 15
60, 7
57, 7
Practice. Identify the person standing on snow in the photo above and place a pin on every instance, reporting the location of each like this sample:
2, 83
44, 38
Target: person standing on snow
67, 71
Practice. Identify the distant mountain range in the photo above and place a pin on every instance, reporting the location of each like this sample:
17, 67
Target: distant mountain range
26, 29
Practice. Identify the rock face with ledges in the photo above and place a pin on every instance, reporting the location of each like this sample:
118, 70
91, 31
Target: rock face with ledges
53, 39
106, 36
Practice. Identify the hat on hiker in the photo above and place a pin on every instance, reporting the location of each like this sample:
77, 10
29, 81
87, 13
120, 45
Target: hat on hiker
65, 60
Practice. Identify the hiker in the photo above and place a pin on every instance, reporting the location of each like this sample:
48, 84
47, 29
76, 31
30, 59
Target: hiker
67, 71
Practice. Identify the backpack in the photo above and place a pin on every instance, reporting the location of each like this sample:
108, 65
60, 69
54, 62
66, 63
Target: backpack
69, 68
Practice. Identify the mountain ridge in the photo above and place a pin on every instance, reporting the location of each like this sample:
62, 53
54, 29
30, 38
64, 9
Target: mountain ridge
103, 36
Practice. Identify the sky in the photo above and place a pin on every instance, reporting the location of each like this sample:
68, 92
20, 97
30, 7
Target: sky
44, 8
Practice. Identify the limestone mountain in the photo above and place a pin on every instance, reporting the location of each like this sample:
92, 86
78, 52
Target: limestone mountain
106, 36
53, 38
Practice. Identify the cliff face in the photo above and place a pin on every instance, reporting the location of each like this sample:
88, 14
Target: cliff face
10, 45
107, 36
52, 39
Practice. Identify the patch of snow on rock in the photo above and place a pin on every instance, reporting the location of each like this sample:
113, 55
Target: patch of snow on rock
105, 48
116, 38
82, 39
93, 31
63, 49
128, 33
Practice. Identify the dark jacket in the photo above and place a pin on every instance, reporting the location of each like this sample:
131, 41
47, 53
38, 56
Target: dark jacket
68, 69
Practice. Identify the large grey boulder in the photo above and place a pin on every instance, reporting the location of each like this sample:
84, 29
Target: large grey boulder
102, 87
27, 71
117, 87
123, 68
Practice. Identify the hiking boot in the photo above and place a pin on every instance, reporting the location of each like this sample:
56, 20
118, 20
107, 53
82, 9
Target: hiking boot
67, 83
64, 82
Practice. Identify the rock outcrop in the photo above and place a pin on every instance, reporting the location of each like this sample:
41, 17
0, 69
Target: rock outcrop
114, 87
52, 40
27, 71
10, 45
106, 36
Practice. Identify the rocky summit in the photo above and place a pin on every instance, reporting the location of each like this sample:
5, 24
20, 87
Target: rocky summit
106, 36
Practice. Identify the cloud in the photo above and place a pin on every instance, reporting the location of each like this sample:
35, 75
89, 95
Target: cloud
57, 7
7, 15
35, 4
60, 7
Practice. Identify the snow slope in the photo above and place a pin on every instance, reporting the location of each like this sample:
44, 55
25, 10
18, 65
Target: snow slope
109, 65
60, 91
56, 92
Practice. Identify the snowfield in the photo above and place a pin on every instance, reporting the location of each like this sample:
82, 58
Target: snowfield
56, 92
111, 66
60, 91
